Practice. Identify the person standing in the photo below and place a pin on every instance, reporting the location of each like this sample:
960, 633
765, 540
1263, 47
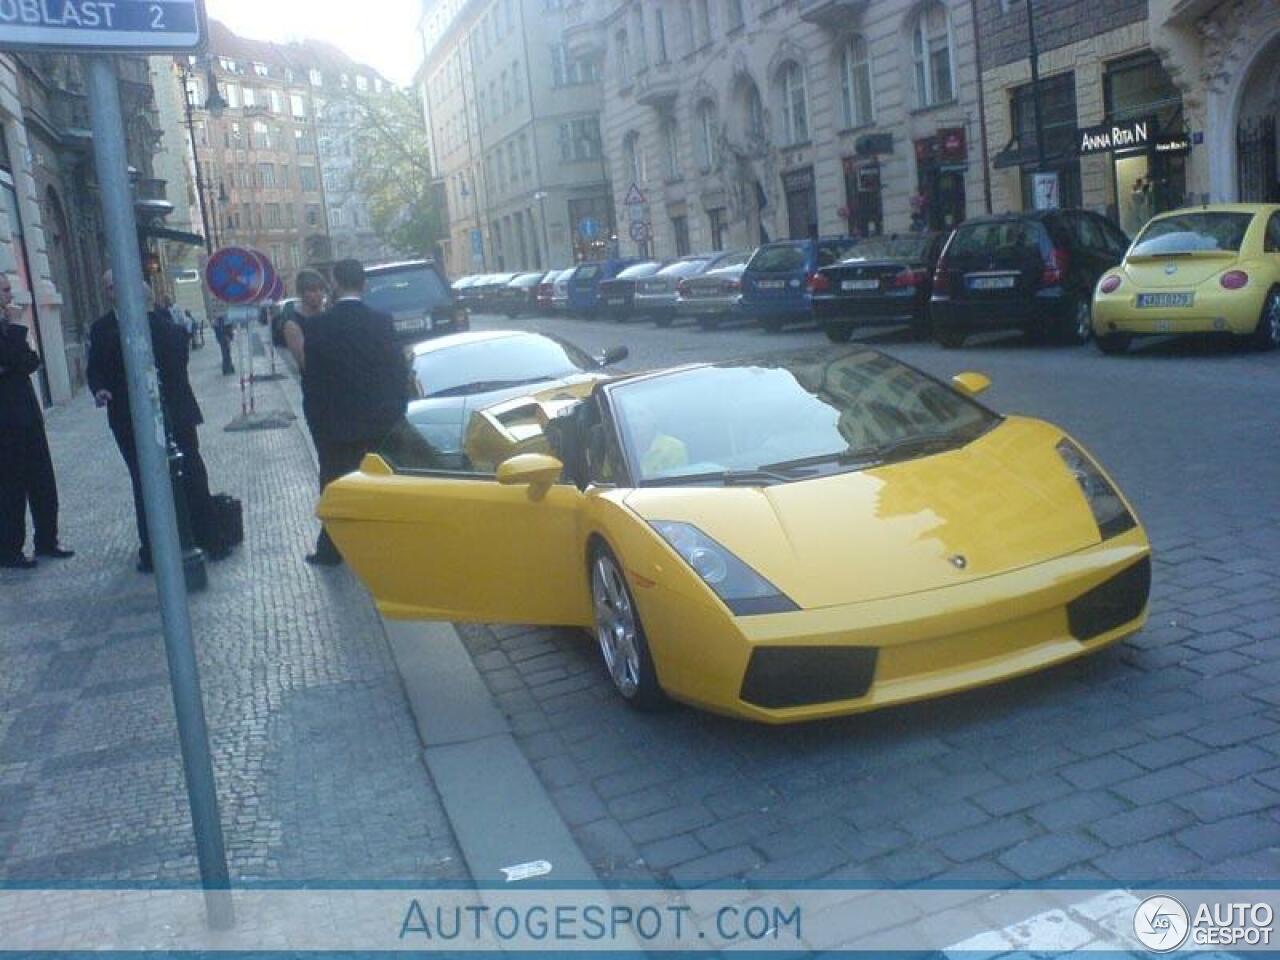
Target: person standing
26, 468
108, 382
357, 385
223, 332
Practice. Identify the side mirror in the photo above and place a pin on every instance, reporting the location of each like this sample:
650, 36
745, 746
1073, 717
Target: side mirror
970, 384
614, 355
536, 470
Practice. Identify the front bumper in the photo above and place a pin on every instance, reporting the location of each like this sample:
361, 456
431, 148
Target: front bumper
1213, 310
805, 665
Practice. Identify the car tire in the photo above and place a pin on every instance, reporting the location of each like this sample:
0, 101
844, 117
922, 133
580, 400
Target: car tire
1078, 326
949, 337
619, 633
838, 332
1113, 344
1266, 335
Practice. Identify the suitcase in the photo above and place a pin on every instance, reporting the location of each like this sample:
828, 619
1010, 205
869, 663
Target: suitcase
228, 519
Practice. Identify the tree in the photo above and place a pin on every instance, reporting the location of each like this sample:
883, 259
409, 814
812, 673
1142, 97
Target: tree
392, 171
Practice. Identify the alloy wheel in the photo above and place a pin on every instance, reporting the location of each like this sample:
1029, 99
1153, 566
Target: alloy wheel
1084, 321
617, 630
1271, 318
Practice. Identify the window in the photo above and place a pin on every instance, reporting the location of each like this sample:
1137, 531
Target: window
362, 83
250, 97
277, 101
661, 34
297, 106
303, 141
525, 164
580, 139
335, 216
260, 69
274, 219
642, 41
313, 214
282, 178
633, 157
708, 136
931, 50
795, 108
690, 35
267, 175
671, 147
1272, 242
506, 93
624, 59
261, 137
680, 227
517, 89
715, 220
704, 22
377, 84
755, 111
511, 161
855, 82
232, 96
315, 77
733, 15
307, 178
1058, 106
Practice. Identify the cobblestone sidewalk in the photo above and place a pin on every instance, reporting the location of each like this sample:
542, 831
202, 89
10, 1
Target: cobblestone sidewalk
317, 760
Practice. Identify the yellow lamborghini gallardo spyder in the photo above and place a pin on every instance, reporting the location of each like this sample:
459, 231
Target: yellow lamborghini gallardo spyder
1200, 270
783, 538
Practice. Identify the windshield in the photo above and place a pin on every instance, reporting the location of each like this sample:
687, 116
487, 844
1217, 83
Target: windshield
640, 270
1193, 233
797, 417
1016, 236
735, 259
588, 271
912, 246
492, 364
398, 291
791, 256
683, 268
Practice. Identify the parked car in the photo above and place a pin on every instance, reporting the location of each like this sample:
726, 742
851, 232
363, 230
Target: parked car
489, 291
519, 295
885, 281
713, 297
544, 293
1033, 271
466, 288
1213, 268
560, 291
584, 284
656, 296
810, 533
775, 285
617, 296
418, 298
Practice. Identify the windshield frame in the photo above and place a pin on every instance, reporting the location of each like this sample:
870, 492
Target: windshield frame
634, 477
570, 350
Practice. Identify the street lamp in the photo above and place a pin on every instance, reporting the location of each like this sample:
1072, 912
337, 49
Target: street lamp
214, 104
541, 197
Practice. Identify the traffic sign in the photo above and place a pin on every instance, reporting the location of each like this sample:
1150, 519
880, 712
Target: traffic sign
588, 228
277, 291
634, 196
636, 211
269, 276
640, 231
236, 275
109, 26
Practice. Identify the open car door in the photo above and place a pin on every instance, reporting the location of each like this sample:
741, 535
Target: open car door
444, 545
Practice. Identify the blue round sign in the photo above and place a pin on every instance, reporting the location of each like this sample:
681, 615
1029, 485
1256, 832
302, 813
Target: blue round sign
236, 275
588, 228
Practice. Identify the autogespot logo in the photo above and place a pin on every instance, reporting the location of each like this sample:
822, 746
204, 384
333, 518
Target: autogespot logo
1161, 924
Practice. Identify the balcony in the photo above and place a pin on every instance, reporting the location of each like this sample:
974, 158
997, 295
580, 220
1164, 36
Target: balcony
832, 14
584, 32
657, 89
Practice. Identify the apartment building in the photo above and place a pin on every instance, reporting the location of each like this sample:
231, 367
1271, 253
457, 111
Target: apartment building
513, 119
732, 122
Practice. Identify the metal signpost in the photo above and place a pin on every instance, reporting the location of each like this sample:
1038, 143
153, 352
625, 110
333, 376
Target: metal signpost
96, 30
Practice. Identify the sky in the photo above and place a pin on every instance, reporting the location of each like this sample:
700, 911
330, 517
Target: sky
381, 33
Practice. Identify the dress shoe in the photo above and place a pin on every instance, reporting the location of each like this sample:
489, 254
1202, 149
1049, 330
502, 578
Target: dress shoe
18, 562
324, 560
55, 552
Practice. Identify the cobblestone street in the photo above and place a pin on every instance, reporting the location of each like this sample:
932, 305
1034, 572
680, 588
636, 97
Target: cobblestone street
318, 764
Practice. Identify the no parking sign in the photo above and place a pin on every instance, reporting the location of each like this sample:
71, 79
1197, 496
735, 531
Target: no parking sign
237, 275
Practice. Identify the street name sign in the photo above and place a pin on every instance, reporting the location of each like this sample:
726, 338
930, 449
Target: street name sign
105, 26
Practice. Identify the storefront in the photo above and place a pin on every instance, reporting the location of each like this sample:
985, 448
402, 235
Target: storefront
802, 203
863, 207
1146, 138
941, 164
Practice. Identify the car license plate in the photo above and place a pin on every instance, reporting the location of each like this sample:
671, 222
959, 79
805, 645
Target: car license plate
1165, 299
992, 283
771, 284
860, 285
408, 326
616, 301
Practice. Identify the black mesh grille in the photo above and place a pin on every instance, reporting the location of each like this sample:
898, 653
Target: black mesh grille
1111, 604
798, 676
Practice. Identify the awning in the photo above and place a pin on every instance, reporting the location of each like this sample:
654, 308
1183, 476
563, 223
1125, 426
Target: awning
168, 233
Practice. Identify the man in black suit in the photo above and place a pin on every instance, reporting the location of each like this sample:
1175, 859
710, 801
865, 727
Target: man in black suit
110, 387
26, 469
357, 384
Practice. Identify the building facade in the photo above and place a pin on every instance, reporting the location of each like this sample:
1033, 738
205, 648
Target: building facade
513, 118
728, 123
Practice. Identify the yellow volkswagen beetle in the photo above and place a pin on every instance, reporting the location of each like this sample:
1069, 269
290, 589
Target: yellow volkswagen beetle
1201, 270
796, 536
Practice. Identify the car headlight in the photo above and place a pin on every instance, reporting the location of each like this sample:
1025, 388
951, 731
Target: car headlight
1109, 511
743, 590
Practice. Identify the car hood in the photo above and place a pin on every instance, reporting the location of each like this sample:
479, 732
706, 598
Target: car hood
1003, 502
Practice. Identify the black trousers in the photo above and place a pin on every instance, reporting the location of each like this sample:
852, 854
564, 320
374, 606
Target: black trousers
26, 476
195, 486
224, 344
337, 458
